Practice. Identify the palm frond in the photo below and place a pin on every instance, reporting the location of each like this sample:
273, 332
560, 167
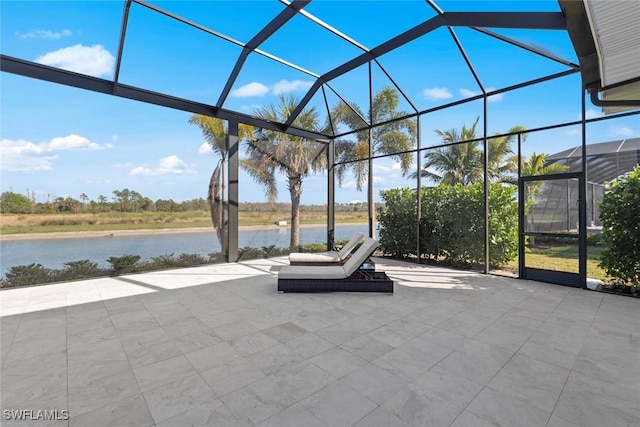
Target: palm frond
262, 174
213, 130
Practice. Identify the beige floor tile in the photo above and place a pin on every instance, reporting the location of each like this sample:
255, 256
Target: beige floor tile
419, 410
163, 372
294, 416
177, 397
231, 376
538, 382
338, 362
448, 348
338, 405
211, 414
303, 379
504, 409
374, 382
132, 411
93, 394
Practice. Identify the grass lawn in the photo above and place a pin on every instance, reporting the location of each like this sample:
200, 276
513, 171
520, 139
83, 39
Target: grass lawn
562, 258
111, 221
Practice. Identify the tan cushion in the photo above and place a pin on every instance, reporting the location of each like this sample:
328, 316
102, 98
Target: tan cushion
312, 272
314, 257
360, 256
350, 245
331, 271
328, 257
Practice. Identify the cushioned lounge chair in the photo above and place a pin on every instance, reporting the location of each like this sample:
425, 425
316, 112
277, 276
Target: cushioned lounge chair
347, 277
326, 258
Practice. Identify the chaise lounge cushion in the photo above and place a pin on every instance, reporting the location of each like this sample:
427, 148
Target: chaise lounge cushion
331, 271
327, 257
302, 257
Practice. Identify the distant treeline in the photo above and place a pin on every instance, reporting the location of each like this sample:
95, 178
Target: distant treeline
131, 201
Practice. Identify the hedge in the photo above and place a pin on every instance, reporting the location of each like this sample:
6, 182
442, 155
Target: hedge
620, 215
451, 224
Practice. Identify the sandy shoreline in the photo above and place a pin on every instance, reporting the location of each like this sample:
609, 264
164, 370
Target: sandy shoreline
140, 232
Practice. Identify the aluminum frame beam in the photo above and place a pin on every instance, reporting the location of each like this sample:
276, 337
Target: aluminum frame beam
233, 192
521, 20
274, 25
56, 75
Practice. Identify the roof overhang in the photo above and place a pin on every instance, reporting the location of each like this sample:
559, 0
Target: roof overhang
606, 37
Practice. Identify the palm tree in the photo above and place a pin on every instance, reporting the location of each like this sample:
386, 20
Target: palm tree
464, 163
457, 163
84, 199
534, 166
216, 135
388, 138
270, 152
501, 165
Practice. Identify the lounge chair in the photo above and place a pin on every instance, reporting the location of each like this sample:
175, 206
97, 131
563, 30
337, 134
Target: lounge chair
326, 258
338, 278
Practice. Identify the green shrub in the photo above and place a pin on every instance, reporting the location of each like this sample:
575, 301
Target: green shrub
189, 260
25, 275
269, 250
451, 226
594, 239
216, 257
397, 222
248, 252
620, 215
313, 247
124, 264
160, 262
80, 270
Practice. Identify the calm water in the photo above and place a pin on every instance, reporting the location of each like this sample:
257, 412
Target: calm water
53, 253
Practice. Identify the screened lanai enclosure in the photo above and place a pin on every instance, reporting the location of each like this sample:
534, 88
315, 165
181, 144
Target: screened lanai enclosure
442, 110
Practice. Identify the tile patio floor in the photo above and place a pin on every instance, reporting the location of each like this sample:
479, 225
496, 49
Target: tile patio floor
217, 345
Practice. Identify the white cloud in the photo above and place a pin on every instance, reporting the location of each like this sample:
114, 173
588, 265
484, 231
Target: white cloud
259, 89
574, 132
380, 168
356, 202
98, 181
91, 60
285, 86
20, 155
591, 114
435, 93
170, 165
205, 148
494, 98
622, 131
45, 34
74, 142
396, 166
249, 90
468, 93
123, 165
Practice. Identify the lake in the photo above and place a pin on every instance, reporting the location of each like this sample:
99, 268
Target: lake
53, 253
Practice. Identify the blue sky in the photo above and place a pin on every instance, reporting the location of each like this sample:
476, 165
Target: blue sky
61, 141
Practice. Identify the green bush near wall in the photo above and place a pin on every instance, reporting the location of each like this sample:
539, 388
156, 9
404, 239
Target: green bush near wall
451, 225
620, 215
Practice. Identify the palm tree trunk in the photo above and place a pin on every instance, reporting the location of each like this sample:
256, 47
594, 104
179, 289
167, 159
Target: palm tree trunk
295, 190
224, 241
215, 203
